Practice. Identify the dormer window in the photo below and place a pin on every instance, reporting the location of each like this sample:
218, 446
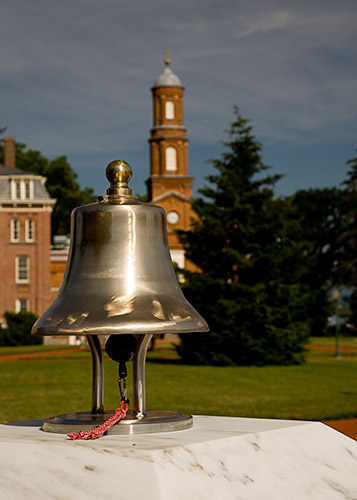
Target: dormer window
21, 189
18, 189
27, 190
169, 110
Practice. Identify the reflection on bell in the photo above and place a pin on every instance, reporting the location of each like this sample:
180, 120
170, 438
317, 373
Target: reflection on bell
119, 279
119, 276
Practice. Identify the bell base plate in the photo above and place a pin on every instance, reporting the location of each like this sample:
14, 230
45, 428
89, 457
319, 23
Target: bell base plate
152, 421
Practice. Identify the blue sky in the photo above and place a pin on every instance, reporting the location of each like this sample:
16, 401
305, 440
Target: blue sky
75, 79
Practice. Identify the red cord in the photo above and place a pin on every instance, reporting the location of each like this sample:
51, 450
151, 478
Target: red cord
119, 414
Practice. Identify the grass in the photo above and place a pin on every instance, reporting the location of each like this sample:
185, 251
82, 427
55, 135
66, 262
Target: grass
330, 341
324, 388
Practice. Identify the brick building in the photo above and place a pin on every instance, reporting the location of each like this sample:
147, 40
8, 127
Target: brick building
25, 232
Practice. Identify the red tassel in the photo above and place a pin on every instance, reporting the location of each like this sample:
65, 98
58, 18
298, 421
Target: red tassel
119, 414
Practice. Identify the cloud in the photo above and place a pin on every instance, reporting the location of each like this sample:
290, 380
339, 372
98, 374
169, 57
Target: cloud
75, 75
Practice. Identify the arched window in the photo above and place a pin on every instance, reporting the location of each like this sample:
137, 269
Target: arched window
15, 230
30, 230
169, 110
171, 159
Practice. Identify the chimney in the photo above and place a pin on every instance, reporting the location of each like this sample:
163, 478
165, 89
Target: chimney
9, 156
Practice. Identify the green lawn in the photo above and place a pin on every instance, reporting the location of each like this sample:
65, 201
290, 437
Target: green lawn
323, 388
330, 341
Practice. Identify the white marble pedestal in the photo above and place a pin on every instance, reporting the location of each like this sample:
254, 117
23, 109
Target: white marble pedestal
219, 458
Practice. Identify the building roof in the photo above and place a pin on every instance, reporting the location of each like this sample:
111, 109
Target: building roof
4, 170
39, 191
167, 78
170, 194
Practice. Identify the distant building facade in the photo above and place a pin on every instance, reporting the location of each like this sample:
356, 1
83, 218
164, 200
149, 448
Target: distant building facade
25, 232
169, 184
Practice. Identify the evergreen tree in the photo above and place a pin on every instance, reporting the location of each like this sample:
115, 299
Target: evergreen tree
248, 286
61, 184
319, 217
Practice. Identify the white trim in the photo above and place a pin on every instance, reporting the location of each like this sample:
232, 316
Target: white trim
59, 258
25, 175
24, 206
168, 194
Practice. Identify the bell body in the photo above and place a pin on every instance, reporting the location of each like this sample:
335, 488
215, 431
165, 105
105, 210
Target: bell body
119, 277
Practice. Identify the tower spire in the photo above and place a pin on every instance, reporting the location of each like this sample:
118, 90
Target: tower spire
167, 57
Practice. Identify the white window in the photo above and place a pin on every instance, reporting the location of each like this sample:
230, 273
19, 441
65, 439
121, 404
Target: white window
15, 230
169, 110
18, 189
22, 269
30, 230
27, 190
21, 189
22, 305
171, 159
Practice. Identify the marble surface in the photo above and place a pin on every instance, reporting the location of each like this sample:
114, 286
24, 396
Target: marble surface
219, 458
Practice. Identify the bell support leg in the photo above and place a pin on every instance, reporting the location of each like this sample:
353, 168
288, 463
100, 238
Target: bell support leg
139, 392
97, 374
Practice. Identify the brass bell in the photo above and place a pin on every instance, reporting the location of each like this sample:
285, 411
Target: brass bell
119, 280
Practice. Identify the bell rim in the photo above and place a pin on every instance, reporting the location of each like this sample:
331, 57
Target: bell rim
114, 331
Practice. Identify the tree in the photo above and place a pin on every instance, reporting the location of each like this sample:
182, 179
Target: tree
347, 270
248, 286
61, 184
18, 329
319, 217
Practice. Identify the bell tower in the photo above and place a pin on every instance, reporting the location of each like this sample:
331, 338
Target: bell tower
169, 185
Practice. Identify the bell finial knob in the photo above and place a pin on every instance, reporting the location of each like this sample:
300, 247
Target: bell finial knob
119, 173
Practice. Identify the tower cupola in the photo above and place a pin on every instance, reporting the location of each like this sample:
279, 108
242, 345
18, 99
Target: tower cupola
167, 78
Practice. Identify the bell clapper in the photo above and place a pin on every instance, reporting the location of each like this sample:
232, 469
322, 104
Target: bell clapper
121, 348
